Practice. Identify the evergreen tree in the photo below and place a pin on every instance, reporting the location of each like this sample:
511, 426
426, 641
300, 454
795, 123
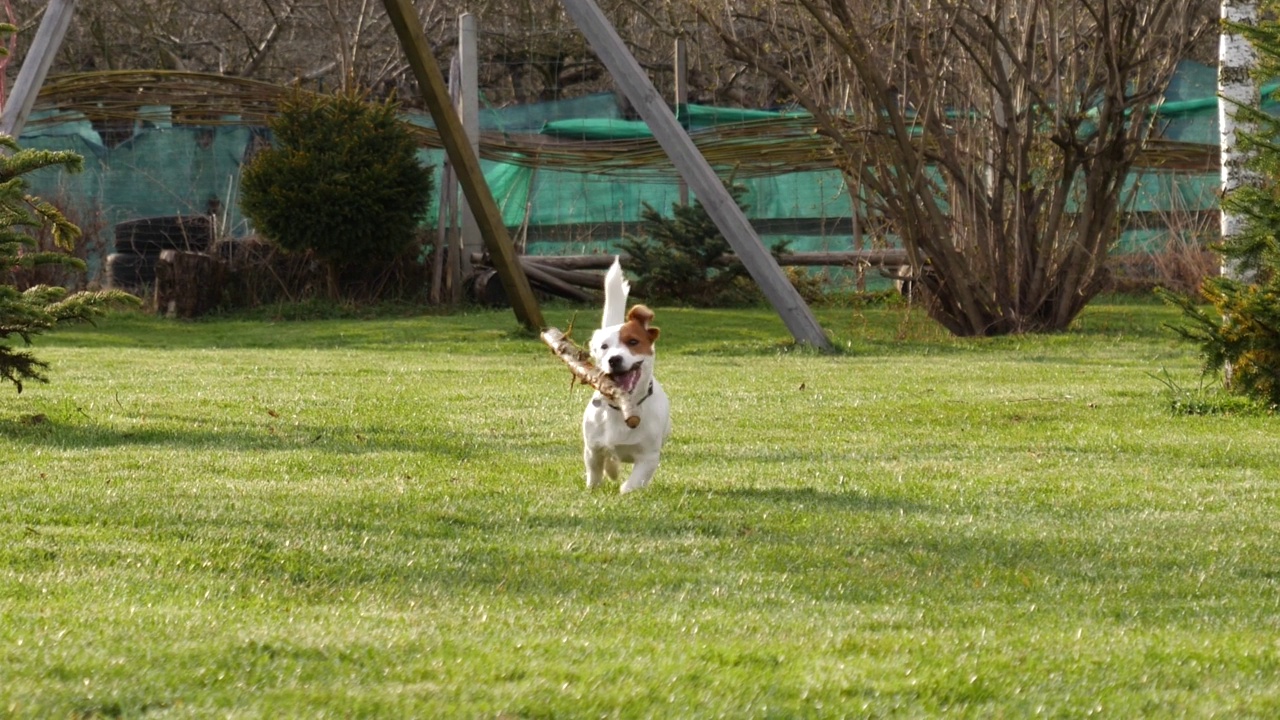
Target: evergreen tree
24, 314
679, 259
342, 181
1240, 336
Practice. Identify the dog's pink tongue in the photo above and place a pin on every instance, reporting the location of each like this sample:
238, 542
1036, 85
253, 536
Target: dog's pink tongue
627, 381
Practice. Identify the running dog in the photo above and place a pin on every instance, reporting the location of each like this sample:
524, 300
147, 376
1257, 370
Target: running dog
623, 347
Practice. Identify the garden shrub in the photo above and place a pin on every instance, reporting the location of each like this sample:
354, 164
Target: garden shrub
680, 260
1240, 337
342, 181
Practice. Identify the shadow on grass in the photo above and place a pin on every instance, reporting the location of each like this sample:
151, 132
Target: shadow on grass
808, 498
137, 331
764, 546
182, 434
758, 331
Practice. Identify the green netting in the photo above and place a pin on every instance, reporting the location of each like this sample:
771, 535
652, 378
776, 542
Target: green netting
532, 117
691, 117
155, 167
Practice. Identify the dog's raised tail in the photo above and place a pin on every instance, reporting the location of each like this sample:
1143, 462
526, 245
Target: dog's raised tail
616, 289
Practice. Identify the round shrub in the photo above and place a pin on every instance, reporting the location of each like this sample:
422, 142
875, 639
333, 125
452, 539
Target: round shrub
341, 180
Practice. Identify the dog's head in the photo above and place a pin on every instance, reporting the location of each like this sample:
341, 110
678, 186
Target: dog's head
626, 351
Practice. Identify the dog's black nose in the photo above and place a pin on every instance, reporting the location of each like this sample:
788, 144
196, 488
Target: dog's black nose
615, 363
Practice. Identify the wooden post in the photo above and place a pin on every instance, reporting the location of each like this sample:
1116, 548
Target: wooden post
469, 109
681, 66
465, 162
693, 167
53, 27
456, 263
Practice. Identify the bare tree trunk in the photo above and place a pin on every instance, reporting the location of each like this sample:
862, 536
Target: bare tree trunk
999, 133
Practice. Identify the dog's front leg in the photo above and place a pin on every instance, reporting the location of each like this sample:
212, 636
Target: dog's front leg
641, 472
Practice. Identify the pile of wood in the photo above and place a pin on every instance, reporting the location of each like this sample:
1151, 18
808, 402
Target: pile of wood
188, 284
139, 243
580, 277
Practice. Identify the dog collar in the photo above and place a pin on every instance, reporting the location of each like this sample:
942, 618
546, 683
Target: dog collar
597, 401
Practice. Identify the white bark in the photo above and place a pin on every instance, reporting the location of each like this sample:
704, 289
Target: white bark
1236, 88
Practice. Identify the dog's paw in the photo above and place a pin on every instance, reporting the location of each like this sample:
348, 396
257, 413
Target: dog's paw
631, 486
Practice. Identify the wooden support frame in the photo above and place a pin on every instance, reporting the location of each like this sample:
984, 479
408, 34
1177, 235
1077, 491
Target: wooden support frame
698, 173
53, 28
465, 163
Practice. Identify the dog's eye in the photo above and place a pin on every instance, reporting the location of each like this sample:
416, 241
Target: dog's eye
632, 342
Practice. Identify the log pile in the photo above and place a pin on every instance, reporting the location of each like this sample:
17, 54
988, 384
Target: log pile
188, 284
576, 277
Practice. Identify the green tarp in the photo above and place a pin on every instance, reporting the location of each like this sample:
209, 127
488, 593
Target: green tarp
155, 167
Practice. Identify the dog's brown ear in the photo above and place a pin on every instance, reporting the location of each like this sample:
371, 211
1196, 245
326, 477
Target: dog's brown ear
653, 334
640, 314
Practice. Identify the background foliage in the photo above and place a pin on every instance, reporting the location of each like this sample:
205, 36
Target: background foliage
678, 258
27, 313
529, 51
1239, 335
342, 180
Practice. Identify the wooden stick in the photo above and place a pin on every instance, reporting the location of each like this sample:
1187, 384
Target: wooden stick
579, 362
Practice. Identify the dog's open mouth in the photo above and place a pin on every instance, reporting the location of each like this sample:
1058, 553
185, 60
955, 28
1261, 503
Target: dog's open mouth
627, 380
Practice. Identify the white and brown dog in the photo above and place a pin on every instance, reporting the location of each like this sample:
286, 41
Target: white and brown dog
623, 347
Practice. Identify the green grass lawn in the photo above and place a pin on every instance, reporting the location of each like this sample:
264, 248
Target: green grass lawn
387, 518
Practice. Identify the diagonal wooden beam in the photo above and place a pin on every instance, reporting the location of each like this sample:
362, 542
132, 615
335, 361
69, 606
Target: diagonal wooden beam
698, 173
465, 163
53, 27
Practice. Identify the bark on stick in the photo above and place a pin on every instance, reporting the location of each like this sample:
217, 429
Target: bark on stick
579, 362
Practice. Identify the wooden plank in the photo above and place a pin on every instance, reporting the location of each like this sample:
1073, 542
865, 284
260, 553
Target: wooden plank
702, 179
452, 238
830, 231
465, 163
53, 27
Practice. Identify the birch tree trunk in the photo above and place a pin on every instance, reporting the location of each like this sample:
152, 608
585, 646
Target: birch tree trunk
1236, 58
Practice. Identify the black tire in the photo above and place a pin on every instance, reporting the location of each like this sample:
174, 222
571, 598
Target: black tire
131, 272
148, 236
